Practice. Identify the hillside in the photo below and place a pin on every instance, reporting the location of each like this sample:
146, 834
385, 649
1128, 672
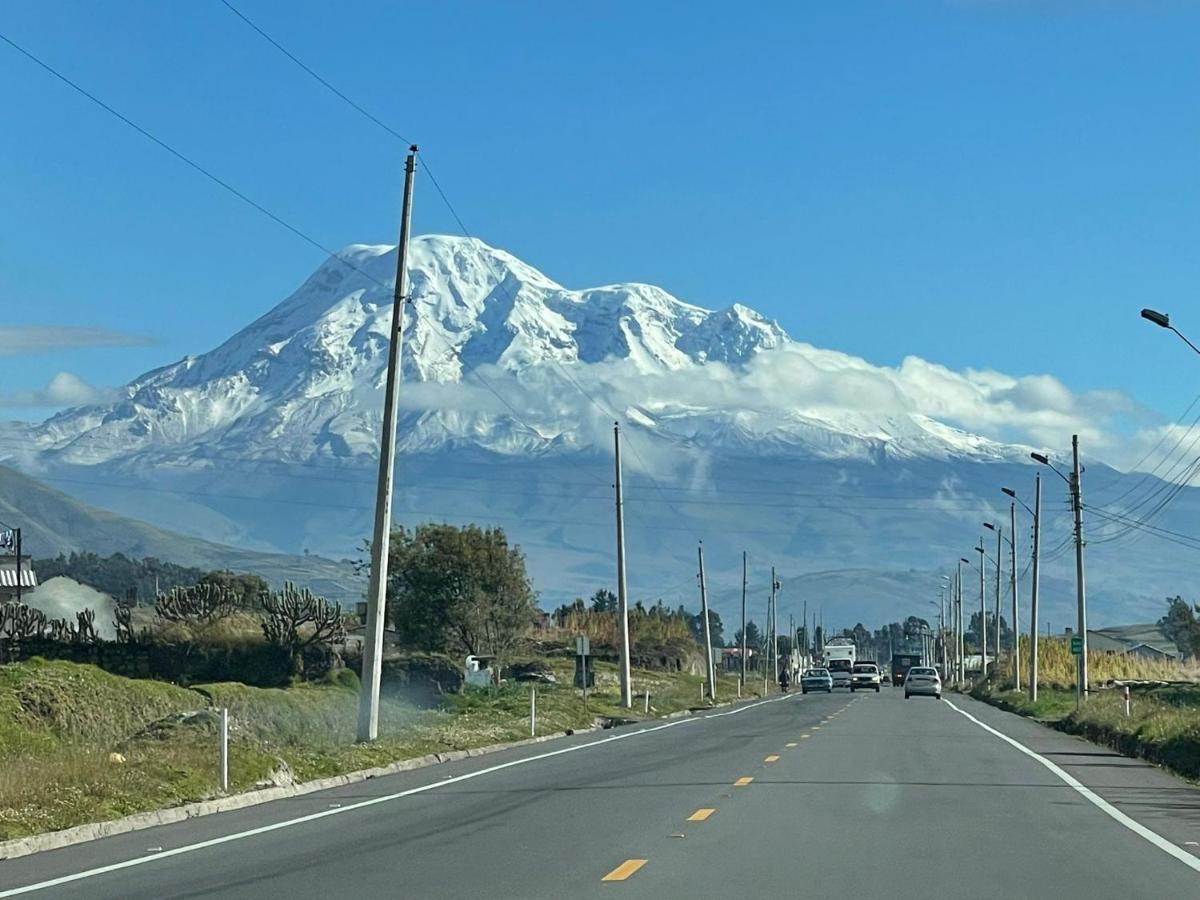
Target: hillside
53, 522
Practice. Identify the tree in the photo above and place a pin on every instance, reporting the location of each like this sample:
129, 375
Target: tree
716, 630
604, 601
753, 638
1181, 626
460, 590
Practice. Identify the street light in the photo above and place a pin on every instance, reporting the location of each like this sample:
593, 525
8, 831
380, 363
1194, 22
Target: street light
1162, 320
1074, 483
1034, 580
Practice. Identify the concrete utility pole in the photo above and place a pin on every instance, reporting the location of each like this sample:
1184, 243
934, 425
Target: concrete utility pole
372, 664
622, 591
999, 556
1016, 623
1081, 688
958, 630
17, 541
708, 659
774, 624
743, 682
1033, 599
982, 611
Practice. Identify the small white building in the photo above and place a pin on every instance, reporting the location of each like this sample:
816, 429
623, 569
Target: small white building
8, 576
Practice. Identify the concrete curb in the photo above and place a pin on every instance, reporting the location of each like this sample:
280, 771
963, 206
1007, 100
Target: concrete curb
79, 834
54, 840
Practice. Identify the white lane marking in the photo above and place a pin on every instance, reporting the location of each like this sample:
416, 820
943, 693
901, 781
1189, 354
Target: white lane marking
1091, 796
734, 712
312, 817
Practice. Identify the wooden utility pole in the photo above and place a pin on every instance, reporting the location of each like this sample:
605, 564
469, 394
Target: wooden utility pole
368, 705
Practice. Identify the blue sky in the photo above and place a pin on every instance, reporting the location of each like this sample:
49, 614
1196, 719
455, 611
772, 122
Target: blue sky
995, 185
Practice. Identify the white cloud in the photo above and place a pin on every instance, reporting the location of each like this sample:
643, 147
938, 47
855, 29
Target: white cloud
63, 390
16, 339
799, 384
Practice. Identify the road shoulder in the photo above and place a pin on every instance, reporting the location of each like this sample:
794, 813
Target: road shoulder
1165, 804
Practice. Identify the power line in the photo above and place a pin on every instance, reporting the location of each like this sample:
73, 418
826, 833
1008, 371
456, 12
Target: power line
278, 46
225, 185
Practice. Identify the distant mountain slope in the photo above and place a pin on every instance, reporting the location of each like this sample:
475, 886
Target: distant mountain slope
54, 523
305, 380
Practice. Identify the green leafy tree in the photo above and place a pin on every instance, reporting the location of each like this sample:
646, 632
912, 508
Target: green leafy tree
753, 637
458, 590
1181, 625
604, 601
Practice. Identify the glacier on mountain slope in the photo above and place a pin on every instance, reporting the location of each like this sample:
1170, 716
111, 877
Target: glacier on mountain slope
500, 357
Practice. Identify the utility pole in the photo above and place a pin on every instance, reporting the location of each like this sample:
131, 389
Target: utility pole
622, 591
1081, 688
1016, 623
708, 659
999, 556
807, 638
1033, 600
372, 663
17, 539
982, 611
774, 625
962, 639
743, 621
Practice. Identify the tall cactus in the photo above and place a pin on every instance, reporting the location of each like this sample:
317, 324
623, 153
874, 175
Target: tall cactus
18, 621
297, 618
200, 604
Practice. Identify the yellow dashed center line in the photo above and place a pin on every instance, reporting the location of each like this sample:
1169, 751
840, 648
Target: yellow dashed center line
774, 757
743, 781
700, 815
624, 870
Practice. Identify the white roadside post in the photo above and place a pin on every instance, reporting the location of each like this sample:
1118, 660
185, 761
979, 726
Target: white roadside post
224, 750
533, 712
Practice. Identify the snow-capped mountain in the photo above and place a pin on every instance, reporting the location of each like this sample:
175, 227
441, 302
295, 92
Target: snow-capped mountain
306, 380
811, 459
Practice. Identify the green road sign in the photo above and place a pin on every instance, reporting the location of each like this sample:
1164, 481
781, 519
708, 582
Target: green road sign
1077, 646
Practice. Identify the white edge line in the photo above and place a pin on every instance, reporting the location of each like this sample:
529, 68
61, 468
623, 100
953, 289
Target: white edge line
1091, 796
287, 823
734, 712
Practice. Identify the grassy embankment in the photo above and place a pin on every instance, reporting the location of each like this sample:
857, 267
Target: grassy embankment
60, 722
1164, 722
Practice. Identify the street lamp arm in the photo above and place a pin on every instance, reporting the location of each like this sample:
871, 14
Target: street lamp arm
1184, 339
1045, 461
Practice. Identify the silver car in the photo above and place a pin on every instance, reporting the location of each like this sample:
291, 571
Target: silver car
816, 680
923, 680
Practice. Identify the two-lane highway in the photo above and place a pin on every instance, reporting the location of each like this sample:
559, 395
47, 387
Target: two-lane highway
859, 794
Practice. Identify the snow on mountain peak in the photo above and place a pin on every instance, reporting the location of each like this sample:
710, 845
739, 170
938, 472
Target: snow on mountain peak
306, 378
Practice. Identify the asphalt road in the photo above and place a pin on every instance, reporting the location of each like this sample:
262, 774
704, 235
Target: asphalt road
869, 795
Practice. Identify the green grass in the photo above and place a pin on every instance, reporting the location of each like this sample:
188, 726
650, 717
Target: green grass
1163, 726
60, 721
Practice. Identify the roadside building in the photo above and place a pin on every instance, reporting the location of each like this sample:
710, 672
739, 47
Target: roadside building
9, 573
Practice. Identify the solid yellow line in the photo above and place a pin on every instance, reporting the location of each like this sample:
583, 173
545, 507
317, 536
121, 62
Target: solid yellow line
700, 815
624, 870
790, 744
774, 757
743, 781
